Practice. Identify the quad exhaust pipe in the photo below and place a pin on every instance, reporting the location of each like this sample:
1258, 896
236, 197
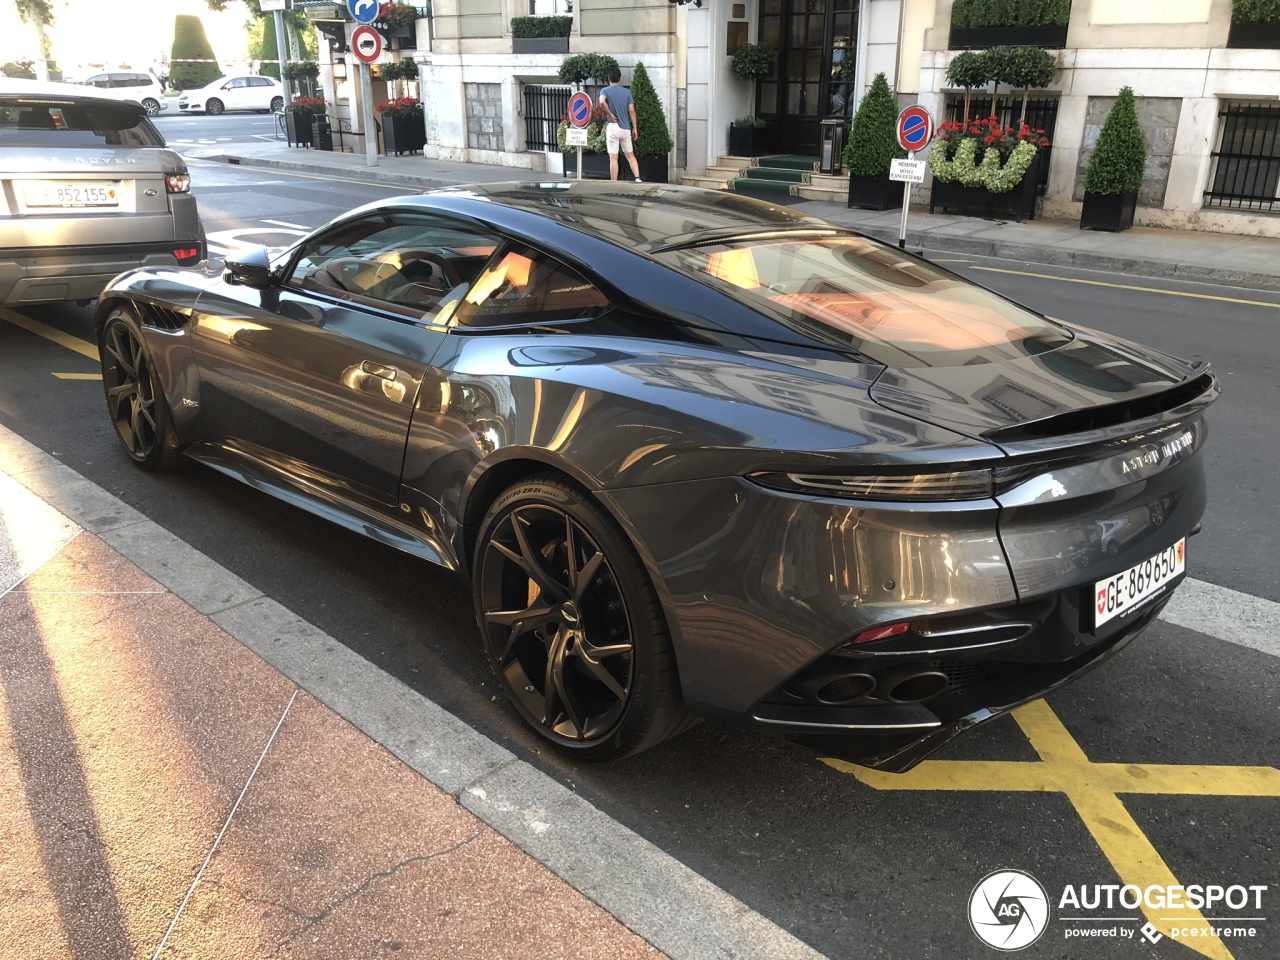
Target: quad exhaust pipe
908, 684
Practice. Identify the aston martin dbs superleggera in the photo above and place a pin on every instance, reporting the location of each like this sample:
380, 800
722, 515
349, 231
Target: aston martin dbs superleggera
696, 454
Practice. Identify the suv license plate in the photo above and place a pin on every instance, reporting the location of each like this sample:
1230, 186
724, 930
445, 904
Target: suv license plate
1126, 591
51, 193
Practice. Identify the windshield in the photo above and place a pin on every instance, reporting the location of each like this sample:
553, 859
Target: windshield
891, 308
55, 122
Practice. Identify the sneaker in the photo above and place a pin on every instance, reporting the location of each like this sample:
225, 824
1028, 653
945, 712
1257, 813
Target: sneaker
638, 180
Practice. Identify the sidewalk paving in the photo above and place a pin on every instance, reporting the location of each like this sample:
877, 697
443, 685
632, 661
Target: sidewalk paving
1189, 255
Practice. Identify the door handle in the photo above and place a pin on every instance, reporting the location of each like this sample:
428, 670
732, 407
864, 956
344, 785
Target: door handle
376, 370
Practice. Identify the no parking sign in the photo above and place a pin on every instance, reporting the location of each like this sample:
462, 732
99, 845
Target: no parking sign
915, 128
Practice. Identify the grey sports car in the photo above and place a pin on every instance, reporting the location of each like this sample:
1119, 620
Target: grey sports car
696, 454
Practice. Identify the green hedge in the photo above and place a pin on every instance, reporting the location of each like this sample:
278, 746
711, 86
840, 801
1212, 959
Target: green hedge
534, 27
1012, 13
654, 139
1119, 160
587, 66
873, 139
1255, 11
190, 43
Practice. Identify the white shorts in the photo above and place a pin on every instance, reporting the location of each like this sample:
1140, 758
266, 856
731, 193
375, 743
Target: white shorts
615, 137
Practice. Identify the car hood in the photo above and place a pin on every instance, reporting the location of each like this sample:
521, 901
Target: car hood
1040, 395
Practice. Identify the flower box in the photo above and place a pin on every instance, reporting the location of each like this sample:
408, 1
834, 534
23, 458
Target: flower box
539, 44
297, 129
403, 134
748, 141
1017, 204
1108, 211
1254, 36
875, 193
982, 38
595, 166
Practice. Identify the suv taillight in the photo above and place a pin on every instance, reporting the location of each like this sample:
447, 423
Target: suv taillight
186, 255
177, 182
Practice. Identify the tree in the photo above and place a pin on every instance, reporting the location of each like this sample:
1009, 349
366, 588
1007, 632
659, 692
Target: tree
583, 66
1030, 68
1119, 160
999, 65
268, 49
968, 70
190, 43
38, 13
873, 139
654, 139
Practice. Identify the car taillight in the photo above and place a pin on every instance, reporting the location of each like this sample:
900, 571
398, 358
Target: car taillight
186, 254
177, 182
879, 633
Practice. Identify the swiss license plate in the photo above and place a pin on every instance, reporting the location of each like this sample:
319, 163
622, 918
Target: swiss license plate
51, 193
1116, 596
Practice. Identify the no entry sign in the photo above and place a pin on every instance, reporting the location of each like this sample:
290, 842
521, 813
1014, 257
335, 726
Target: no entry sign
915, 128
580, 109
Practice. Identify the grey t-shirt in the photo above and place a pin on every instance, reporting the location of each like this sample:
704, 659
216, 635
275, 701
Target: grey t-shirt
619, 98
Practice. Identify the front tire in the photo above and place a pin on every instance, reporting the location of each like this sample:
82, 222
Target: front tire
572, 625
277, 104
214, 107
135, 399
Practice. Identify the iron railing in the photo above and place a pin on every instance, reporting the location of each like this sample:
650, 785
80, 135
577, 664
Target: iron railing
543, 108
1246, 165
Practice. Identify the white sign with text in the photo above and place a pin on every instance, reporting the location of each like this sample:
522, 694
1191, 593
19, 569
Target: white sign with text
909, 171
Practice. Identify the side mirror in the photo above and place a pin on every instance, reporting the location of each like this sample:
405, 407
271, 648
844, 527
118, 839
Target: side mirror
250, 268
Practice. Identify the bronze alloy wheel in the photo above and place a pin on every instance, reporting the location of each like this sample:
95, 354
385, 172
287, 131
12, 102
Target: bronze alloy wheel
571, 625
137, 407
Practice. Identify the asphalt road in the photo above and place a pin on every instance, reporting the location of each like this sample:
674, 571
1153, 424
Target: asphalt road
856, 869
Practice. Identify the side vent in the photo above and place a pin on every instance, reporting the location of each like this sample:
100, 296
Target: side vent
161, 317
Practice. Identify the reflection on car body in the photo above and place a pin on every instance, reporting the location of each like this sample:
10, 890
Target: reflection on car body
696, 454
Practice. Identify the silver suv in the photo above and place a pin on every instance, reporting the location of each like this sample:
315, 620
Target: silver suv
89, 190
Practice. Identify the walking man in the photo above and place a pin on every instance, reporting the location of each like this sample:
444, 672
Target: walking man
616, 101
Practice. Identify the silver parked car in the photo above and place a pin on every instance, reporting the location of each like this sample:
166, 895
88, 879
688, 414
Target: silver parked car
89, 191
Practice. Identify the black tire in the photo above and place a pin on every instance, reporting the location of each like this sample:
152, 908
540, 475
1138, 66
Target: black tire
580, 648
135, 400
151, 105
277, 104
214, 107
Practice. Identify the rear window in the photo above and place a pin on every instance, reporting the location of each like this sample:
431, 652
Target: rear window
892, 309
40, 122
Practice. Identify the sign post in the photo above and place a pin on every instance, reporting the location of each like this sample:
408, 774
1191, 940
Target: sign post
366, 43
915, 130
579, 117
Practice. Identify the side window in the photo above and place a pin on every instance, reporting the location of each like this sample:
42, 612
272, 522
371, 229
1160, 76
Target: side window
259, 82
525, 286
403, 262
101, 81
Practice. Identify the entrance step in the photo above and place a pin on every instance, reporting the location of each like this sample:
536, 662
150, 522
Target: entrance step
824, 186
788, 161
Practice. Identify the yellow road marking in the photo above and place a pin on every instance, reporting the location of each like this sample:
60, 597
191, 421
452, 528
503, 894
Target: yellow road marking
78, 376
1129, 286
1093, 790
82, 347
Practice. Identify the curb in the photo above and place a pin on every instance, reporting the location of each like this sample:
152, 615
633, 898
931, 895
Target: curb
674, 908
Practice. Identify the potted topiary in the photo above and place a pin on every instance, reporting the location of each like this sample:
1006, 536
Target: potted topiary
1255, 25
1114, 174
541, 34
872, 146
748, 137
754, 61
968, 69
653, 144
404, 125
299, 114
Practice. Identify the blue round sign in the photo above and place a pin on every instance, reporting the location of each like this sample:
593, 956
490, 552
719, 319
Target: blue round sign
915, 127
580, 109
364, 11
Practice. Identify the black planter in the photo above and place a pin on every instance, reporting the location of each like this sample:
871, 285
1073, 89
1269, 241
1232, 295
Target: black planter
748, 141
652, 169
595, 166
403, 134
321, 132
1018, 204
1254, 36
981, 38
1110, 211
297, 129
539, 44
875, 193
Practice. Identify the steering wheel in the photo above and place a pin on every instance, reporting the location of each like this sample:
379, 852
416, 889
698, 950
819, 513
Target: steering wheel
444, 275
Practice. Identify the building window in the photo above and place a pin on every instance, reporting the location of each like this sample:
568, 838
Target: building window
1246, 164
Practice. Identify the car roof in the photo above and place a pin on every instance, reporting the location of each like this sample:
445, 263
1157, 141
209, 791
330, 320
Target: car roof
644, 217
14, 87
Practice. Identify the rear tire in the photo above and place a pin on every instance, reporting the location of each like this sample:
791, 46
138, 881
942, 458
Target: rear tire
152, 106
277, 104
135, 398
214, 107
572, 625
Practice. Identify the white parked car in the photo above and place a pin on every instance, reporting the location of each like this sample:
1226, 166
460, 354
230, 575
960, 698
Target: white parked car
141, 87
247, 92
